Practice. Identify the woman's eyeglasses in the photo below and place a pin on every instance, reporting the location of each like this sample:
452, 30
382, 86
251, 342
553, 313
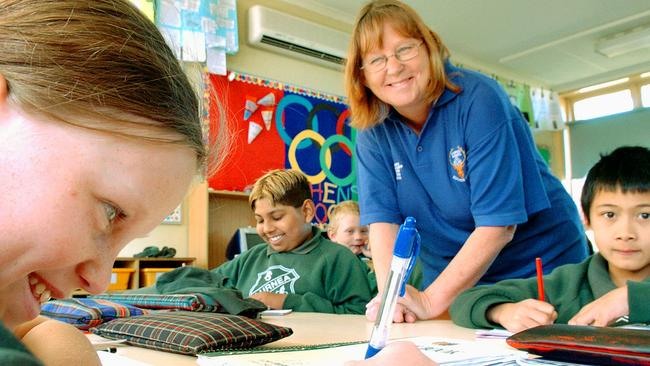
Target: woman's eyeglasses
403, 53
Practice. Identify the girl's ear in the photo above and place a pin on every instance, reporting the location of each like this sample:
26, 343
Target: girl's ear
308, 210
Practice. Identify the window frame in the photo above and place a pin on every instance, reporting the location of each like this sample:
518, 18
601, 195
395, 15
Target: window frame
634, 84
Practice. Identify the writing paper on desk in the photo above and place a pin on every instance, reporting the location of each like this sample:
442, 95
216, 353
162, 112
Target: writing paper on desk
445, 351
547, 362
275, 312
112, 359
492, 333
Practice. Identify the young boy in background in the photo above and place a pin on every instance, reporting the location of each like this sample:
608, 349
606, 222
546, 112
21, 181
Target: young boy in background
298, 269
344, 228
612, 285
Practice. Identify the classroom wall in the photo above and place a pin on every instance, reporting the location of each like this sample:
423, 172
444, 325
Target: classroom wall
280, 67
256, 62
589, 139
177, 235
273, 66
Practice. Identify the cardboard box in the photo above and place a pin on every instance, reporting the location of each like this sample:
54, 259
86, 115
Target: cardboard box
148, 276
120, 279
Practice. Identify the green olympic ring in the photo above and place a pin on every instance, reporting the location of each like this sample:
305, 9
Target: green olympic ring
326, 167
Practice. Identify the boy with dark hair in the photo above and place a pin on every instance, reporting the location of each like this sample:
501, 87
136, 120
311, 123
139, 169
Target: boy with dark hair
298, 269
610, 286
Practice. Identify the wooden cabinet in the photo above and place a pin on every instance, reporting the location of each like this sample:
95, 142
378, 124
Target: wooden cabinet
136, 279
227, 211
138, 264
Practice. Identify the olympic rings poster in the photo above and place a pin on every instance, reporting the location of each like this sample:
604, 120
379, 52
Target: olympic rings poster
279, 126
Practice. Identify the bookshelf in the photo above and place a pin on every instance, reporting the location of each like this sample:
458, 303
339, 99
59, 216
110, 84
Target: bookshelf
136, 279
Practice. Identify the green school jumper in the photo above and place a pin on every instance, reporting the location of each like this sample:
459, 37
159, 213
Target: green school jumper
318, 276
568, 288
13, 352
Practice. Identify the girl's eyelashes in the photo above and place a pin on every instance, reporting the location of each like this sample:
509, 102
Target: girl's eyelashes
113, 213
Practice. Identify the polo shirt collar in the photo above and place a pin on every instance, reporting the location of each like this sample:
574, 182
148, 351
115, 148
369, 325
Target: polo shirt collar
305, 247
453, 74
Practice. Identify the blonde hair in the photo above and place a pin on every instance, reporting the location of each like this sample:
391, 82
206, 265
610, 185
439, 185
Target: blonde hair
340, 209
97, 64
285, 187
365, 108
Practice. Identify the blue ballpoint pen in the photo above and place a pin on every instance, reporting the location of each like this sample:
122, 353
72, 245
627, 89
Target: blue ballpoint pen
407, 247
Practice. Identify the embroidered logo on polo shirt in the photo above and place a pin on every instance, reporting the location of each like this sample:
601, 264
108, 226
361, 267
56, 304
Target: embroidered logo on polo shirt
457, 158
398, 170
277, 279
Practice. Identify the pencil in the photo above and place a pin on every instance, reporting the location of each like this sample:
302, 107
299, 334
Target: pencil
540, 279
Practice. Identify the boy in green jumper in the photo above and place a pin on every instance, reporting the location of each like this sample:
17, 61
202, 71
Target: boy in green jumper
610, 286
298, 269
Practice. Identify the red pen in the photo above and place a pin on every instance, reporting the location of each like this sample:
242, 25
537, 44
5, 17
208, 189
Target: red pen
540, 279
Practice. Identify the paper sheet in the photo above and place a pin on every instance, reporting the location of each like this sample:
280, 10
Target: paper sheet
442, 350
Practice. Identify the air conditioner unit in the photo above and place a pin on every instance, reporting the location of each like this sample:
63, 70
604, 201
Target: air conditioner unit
283, 33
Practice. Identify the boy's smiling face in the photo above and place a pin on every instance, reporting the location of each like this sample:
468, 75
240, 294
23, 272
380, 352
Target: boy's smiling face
621, 225
350, 233
283, 227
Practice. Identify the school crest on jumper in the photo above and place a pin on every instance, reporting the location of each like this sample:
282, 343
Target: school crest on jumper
457, 159
277, 279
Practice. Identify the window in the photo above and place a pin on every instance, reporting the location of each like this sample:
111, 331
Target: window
603, 105
611, 97
645, 95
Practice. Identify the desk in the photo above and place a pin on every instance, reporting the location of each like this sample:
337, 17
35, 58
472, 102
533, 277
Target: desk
312, 328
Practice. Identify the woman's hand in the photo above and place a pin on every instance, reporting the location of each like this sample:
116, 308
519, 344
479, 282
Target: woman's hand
413, 306
604, 310
396, 353
401, 315
421, 304
522, 315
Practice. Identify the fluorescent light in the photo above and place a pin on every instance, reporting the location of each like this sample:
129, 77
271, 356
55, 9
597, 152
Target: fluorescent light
603, 85
624, 42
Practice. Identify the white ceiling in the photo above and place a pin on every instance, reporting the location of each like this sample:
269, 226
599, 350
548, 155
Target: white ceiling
551, 42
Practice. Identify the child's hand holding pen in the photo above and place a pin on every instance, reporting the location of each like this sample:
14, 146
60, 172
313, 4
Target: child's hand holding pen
522, 315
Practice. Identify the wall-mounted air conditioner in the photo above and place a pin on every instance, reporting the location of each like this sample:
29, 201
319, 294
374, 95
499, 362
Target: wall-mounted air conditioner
289, 35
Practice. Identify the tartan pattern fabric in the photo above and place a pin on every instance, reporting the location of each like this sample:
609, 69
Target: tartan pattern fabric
191, 333
87, 313
189, 302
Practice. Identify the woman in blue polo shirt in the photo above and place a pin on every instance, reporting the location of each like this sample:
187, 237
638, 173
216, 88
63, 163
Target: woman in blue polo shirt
445, 145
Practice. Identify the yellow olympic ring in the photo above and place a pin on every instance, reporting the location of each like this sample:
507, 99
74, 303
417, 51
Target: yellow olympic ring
313, 179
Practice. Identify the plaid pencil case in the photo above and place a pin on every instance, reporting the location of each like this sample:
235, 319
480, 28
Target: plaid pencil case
192, 333
87, 313
188, 302
586, 344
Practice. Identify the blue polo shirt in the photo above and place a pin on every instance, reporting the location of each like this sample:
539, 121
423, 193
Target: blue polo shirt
473, 164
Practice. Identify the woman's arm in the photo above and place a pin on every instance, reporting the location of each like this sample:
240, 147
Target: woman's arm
381, 236
382, 240
464, 271
56, 343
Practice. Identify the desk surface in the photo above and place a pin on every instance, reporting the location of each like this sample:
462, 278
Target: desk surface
313, 328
